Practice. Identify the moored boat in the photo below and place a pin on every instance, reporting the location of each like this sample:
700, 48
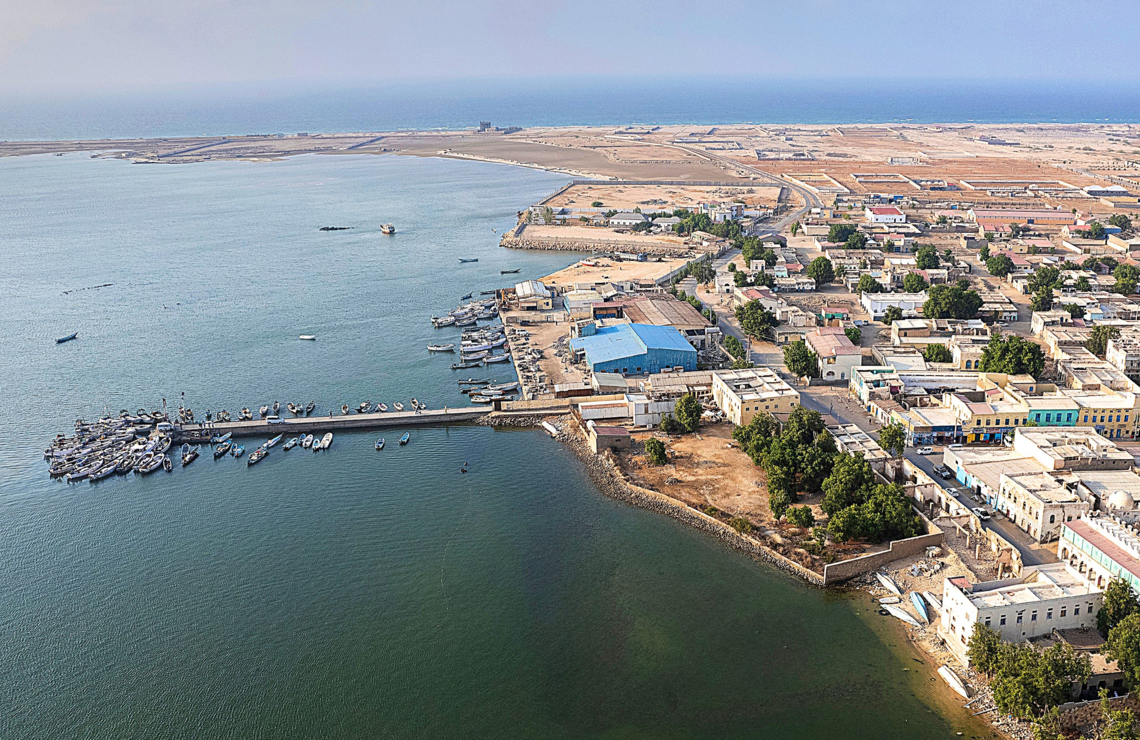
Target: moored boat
167, 465
257, 456
68, 338
222, 449
398, 406
273, 441
326, 441
307, 442
189, 454
381, 406
441, 348
264, 411
239, 451
344, 409
898, 613
380, 443
407, 436
221, 438
309, 408
290, 444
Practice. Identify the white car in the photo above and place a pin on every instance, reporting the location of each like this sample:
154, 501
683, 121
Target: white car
981, 513
926, 450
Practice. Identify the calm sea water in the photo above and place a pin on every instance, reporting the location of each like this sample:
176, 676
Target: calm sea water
560, 102
355, 593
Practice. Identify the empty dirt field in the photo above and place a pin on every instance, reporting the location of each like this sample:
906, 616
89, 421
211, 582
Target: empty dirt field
605, 269
650, 198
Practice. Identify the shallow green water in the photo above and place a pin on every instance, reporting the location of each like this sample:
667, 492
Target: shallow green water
353, 593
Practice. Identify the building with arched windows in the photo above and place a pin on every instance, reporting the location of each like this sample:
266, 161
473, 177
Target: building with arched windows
1100, 548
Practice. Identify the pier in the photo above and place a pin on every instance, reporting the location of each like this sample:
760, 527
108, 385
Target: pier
312, 424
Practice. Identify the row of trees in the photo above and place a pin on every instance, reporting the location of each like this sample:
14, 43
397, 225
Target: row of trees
797, 459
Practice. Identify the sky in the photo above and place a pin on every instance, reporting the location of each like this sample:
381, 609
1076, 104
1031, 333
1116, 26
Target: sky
103, 45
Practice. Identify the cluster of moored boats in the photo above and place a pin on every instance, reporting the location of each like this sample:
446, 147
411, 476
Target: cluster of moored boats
129, 442
267, 411
478, 345
487, 391
367, 407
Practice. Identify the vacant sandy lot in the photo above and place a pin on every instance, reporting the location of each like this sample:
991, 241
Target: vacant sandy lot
660, 197
609, 270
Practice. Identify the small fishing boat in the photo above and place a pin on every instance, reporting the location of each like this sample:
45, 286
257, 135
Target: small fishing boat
920, 606
309, 337
415, 403
364, 407
218, 439
380, 443
398, 406
550, 428
309, 408
222, 449
951, 678
166, 464
441, 348
496, 358
239, 451
890, 600
464, 261
404, 439
326, 441
439, 323
154, 464
482, 399
388, 229
474, 381
381, 406
488, 292
69, 337
474, 357
290, 444
465, 322
264, 411
898, 613
932, 600
509, 272
276, 406
464, 365
273, 441
889, 583
503, 386
189, 454
245, 414
103, 472
257, 456
307, 442
344, 409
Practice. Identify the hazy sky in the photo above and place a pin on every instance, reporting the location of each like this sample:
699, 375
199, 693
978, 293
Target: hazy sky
75, 45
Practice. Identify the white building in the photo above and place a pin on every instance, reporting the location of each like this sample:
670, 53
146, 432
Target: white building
837, 354
626, 219
877, 304
884, 215
1100, 548
1044, 598
647, 412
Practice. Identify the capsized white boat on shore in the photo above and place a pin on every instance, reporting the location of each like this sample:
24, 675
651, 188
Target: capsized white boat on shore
951, 678
550, 428
932, 600
889, 583
900, 613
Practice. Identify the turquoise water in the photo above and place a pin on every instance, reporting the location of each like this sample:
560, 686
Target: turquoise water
353, 593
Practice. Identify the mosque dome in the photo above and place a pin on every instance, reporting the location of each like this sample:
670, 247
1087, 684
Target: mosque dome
1121, 501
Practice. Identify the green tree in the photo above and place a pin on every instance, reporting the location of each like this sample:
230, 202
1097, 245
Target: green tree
1126, 279
1118, 724
948, 255
755, 320
781, 481
796, 228
655, 451
1095, 230
731, 267
999, 265
868, 284
1120, 221
1083, 284
1097, 343
803, 427
688, 412
937, 353
1048, 725
1123, 646
800, 516
914, 283
892, 437
1044, 277
800, 360
740, 524
742, 364
821, 271
984, 649
1042, 300
740, 278
840, 233
1011, 355
858, 240
596, 204
854, 333
850, 480
951, 302
1028, 682
816, 464
1119, 602
926, 258
1077, 312
984, 251
892, 314
670, 425
734, 346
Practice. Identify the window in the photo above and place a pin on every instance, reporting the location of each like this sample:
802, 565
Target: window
1063, 610
1077, 610
1069, 416
1002, 622
987, 621
1049, 614
1033, 617
1007, 422
987, 422
1015, 421
1086, 417
1048, 418
1037, 416
1019, 619
1052, 518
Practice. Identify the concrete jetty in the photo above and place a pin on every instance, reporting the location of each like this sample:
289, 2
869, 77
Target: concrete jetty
312, 424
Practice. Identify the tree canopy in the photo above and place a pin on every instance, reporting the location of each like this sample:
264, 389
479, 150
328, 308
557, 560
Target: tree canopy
1123, 646
937, 353
951, 302
1126, 279
868, 284
754, 319
1044, 277
801, 361
1011, 355
655, 451
688, 411
1042, 300
892, 314
892, 437
914, 283
1097, 343
1119, 603
926, 258
1120, 221
854, 333
999, 265
821, 271
1027, 682
840, 233
797, 459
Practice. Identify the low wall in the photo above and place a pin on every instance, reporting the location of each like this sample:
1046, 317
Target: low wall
1077, 716
847, 569
558, 244
544, 405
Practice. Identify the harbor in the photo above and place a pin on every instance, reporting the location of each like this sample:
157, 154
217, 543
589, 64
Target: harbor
195, 432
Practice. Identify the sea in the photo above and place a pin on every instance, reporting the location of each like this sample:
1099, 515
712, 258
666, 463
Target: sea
356, 593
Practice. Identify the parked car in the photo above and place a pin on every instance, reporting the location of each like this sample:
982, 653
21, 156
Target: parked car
981, 513
943, 472
926, 450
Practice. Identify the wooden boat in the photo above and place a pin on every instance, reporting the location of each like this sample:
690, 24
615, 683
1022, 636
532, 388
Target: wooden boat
68, 338
919, 606
166, 464
464, 261
932, 600
464, 365
482, 399
309, 337
103, 472
898, 613
218, 439
222, 449
496, 358
189, 454
309, 408
503, 386
257, 456
276, 406
951, 678
439, 323
509, 272
388, 229
239, 451
405, 438
380, 443
889, 583
344, 409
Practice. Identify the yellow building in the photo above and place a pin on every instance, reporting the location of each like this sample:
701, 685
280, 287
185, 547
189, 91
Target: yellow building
741, 394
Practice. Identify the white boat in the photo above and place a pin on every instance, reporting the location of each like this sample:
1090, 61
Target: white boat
932, 600
441, 348
550, 428
889, 600
326, 441
381, 406
951, 678
496, 358
889, 583
899, 613
273, 441
443, 321
307, 442
398, 406
308, 337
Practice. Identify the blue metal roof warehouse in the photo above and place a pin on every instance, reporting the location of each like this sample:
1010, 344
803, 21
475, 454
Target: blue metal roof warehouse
636, 349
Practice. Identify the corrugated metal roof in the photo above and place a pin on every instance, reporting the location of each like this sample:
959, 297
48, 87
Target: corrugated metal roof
627, 340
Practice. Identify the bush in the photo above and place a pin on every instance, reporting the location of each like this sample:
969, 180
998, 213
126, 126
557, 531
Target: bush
937, 353
801, 516
655, 451
669, 425
688, 411
740, 524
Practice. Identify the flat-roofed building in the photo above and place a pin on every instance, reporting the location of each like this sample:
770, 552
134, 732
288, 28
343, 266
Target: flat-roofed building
1101, 548
1008, 216
532, 295
1043, 598
874, 382
1124, 354
1115, 492
741, 394
852, 440
659, 310
876, 304
884, 215
1040, 502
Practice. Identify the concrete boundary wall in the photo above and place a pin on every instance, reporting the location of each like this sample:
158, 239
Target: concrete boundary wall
847, 569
